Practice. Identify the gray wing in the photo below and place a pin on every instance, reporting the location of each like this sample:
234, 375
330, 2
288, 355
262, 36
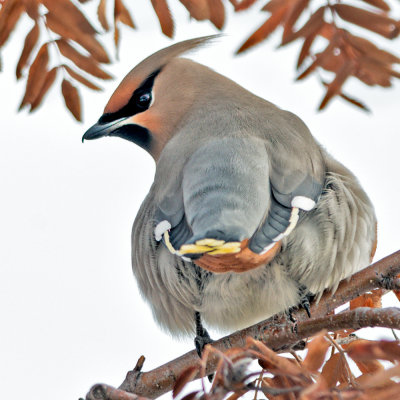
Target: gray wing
238, 187
297, 174
223, 195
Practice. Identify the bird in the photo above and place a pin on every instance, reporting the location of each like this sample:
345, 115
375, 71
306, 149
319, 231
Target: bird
248, 215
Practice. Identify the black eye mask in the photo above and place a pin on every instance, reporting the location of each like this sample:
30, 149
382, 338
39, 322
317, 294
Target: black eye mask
139, 102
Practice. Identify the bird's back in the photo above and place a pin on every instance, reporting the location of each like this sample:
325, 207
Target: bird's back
329, 243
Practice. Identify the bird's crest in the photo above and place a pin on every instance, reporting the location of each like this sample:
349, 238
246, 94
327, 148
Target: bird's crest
148, 66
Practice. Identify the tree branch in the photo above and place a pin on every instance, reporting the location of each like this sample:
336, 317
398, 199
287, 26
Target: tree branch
276, 332
102, 391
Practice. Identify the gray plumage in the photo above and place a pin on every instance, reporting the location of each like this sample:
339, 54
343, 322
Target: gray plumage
229, 165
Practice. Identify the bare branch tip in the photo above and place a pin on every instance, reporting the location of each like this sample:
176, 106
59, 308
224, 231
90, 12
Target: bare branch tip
139, 365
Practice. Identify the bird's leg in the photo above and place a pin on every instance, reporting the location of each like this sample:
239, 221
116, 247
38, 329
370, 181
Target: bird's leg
202, 337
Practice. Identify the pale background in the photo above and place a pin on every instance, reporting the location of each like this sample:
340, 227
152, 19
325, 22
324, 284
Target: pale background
70, 310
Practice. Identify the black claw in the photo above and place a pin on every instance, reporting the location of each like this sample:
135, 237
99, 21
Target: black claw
305, 299
305, 303
290, 315
292, 320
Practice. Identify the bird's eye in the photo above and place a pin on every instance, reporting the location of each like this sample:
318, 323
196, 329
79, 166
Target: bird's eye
144, 99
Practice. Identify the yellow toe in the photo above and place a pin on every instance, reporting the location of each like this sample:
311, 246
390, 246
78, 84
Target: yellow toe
210, 242
193, 249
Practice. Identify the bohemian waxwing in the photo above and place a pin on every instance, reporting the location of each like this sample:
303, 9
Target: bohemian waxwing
247, 213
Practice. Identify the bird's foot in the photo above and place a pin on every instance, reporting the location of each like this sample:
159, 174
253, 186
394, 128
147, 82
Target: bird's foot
389, 282
201, 341
305, 303
306, 297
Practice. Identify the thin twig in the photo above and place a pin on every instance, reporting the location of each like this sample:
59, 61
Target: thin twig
339, 348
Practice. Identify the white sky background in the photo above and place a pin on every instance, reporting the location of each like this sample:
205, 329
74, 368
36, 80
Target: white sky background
71, 314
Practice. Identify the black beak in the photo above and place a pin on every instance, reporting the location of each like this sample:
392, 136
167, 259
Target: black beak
102, 129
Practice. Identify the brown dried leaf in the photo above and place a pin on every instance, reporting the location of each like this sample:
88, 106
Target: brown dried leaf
185, 377
334, 369
317, 349
392, 72
48, 82
164, 16
378, 4
336, 85
243, 5
67, 11
72, 99
191, 395
265, 29
36, 76
382, 377
372, 73
319, 58
334, 61
85, 63
365, 350
305, 49
102, 15
117, 38
81, 79
370, 50
275, 5
10, 13
311, 68
198, 9
372, 300
122, 14
311, 27
373, 78
32, 8
388, 391
315, 390
67, 31
268, 358
328, 31
369, 367
294, 13
355, 102
374, 22
279, 383
29, 44
217, 13
275, 382
397, 293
